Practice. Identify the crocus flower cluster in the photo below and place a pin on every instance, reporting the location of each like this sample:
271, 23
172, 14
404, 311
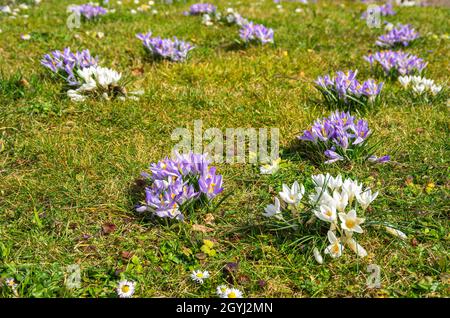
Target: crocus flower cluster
97, 81
256, 33
67, 63
420, 85
89, 11
395, 63
344, 89
400, 35
85, 76
174, 50
334, 201
341, 137
202, 8
384, 10
176, 182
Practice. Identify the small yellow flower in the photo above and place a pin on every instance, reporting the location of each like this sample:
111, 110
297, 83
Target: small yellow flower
430, 187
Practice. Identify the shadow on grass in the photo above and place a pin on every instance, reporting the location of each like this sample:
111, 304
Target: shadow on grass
234, 46
300, 150
136, 193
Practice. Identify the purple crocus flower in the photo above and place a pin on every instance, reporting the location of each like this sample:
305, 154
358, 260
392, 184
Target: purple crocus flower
382, 159
211, 184
396, 63
202, 8
176, 181
89, 11
402, 34
67, 63
174, 50
341, 134
256, 33
345, 89
361, 131
332, 156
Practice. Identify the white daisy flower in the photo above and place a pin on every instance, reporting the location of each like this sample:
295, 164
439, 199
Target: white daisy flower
232, 293
10, 282
199, 276
221, 289
125, 289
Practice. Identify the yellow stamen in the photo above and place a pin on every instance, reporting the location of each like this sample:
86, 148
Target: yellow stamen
335, 249
350, 223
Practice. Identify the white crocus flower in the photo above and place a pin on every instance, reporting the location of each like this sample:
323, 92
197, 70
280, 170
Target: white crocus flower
352, 189
106, 76
340, 200
334, 183
350, 222
355, 247
420, 85
326, 213
5, 9
396, 232
270, 168
273, 209
435, 89
366, 197
406, 3
320, 180
321, 197
206, 20
292, 195
75, 95
419, 88
88, 86
404, 80
335, 248
93, 78
317, 256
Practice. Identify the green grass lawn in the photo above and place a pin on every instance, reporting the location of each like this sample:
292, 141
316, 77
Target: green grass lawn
69, 171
